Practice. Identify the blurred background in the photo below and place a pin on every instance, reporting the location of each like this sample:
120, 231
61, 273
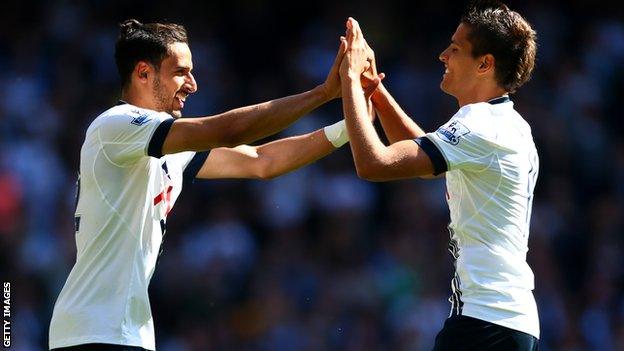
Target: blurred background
317, 259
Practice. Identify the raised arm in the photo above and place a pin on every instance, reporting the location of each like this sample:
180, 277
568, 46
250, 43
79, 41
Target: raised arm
247, 124
395, 122
273, 159
373, 160
397, 125
281, 156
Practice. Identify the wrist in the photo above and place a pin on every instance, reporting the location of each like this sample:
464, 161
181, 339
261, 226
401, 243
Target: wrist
352, 76
378, 94
337, 133
321, 93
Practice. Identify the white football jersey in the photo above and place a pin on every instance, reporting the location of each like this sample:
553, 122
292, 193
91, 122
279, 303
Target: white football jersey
126, 188
491, 165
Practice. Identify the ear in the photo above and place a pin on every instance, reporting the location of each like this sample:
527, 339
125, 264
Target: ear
142, 71
487, 63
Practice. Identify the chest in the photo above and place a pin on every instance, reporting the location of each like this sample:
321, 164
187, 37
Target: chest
166, 186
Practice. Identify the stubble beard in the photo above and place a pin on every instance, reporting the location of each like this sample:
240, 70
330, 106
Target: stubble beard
163, 102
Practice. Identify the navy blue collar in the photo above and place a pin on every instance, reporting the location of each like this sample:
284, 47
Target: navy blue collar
499, 100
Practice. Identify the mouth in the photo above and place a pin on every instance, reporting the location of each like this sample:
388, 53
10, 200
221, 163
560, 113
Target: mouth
181, 100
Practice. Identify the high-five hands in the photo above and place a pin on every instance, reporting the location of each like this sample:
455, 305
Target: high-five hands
359, 57
354, 59
332, 82
359, 62
369, 79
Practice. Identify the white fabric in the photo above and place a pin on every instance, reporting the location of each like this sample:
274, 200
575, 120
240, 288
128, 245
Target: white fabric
119, 234
492, 168
337, 133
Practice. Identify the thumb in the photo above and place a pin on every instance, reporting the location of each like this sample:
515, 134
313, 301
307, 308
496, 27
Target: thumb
368, 92
377, 80
341, 51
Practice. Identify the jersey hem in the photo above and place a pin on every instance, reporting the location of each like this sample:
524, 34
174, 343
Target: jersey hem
99, 339
486, 314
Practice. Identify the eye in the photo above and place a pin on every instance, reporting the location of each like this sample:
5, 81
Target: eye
181, 71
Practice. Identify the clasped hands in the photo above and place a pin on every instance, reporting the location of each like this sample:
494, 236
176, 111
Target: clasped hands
355, 61
359, 58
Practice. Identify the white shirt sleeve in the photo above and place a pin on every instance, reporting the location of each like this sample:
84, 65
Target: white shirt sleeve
127, 137
465, 140
187, 163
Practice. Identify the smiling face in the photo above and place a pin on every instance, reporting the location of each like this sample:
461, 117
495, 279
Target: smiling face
174, 82
461, 68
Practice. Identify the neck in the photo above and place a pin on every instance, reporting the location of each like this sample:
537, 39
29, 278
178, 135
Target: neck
480, 95
133, 97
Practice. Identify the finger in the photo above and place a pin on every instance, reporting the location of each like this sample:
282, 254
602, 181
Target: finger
349, 36
353, 25
381, 76
349, 30
376, 82
357, 31
341, 52
355, 28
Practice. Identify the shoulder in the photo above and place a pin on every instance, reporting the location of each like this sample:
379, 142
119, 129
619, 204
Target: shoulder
131, 114
471, 121
478, 117
126, 115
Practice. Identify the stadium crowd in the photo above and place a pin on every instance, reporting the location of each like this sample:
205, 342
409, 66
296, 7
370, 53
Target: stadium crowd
317, 259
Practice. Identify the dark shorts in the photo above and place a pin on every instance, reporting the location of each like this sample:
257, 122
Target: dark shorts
100, 347
462, 333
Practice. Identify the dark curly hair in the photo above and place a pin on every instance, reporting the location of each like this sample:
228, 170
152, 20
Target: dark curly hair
144, 42
496, 30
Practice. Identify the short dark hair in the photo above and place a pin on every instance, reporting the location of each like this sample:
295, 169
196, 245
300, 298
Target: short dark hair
144, 42
496, 30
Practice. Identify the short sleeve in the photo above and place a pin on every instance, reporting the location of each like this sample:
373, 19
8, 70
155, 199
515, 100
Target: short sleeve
128, 137
463, 142
188, 163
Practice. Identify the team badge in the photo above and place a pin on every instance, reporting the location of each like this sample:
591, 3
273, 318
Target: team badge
452, 132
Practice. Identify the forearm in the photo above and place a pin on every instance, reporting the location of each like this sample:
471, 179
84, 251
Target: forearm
251, 123
365, 143
288, 154
242, 125
396, 124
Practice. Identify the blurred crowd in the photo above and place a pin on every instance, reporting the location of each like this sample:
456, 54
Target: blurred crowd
317, 259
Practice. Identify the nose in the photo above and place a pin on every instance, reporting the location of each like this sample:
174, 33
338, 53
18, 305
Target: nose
443, 56
191, 83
